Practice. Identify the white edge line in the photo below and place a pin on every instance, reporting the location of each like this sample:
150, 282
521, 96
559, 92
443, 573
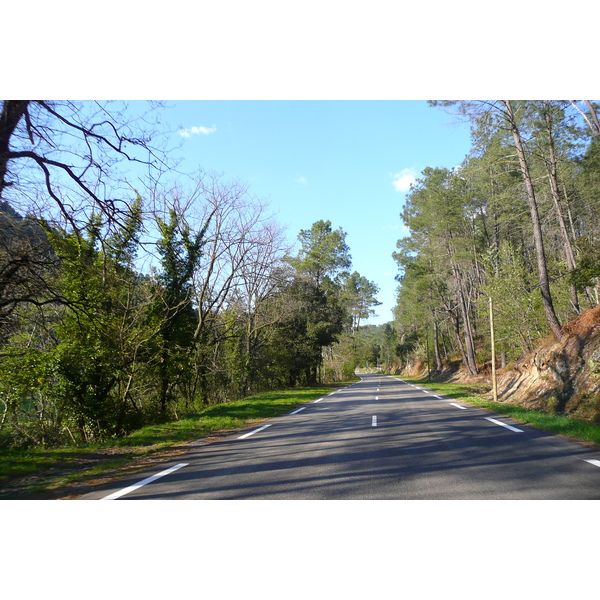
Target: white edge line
126, 490
504, 425
438, 397
592, 461
253, 432
298, 410
319, 400
458, 406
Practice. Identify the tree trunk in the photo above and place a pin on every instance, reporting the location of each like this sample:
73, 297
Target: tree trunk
12, 113
470, 363
549, 312
436, 345
594, 116
461, 347
551, 167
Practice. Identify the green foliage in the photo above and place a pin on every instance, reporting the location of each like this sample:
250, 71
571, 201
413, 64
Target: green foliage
323, 252
518, 315
357, 296
471, 235
313, 320
587, 274
172, 309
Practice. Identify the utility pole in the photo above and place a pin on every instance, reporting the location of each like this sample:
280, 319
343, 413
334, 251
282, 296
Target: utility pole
427, 347
494, 385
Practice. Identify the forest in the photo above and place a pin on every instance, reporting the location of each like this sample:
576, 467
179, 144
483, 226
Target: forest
131, 300
124, 306
514, 226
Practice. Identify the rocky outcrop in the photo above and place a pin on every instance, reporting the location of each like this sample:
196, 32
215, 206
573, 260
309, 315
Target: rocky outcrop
560, 377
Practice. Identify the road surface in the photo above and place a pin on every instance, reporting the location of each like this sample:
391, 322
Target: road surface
380, 438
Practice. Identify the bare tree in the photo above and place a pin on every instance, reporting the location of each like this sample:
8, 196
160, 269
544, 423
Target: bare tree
61, 159
235, 234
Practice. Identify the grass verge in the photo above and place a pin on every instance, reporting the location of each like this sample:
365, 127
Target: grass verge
582, 431
40, 473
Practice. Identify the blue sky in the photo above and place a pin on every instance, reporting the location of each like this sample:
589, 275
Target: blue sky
349, 162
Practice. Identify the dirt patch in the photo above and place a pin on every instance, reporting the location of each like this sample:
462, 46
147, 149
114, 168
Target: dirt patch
560, 377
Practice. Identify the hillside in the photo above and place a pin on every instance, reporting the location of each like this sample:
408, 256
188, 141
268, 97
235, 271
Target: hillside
560, 377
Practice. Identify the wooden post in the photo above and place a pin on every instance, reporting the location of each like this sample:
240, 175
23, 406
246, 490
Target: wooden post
494, 386
427, 347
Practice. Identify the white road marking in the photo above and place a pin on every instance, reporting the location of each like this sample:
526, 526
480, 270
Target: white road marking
253, 432
374, 421
504, 425
376, 397
126, 490
593, 461
298, 410
319, 400
458, 406
438, 397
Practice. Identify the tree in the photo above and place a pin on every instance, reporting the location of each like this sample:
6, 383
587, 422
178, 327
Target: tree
319, 317
310, 320
538, 238
180, 250
440, 255
503, 114
357, 296
87, 372
323, 252
28, 266
69, 153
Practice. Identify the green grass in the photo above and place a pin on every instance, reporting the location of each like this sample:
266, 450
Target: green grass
92, 459
583, 431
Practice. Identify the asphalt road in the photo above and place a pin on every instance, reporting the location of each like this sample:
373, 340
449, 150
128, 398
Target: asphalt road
380, 438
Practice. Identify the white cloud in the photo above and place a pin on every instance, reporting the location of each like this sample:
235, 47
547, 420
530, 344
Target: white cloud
302, 181
403, 180
195, 130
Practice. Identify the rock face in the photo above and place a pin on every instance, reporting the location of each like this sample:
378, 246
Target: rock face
560, 377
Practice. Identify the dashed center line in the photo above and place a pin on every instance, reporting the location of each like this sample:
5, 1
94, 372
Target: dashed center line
592, 461
298, 410
374, 421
